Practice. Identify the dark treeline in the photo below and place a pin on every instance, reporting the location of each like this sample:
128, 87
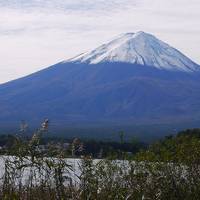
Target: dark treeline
103, 149
91, 147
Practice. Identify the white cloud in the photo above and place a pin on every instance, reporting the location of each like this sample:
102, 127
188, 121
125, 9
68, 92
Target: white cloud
37, 33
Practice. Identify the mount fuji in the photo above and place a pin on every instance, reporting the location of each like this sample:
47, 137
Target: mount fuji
136, 79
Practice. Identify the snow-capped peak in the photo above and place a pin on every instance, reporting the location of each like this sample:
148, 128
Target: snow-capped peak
139, 48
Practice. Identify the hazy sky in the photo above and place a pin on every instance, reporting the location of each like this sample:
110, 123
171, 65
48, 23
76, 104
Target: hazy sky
37, 33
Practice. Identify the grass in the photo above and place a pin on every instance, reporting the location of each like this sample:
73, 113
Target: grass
31, 175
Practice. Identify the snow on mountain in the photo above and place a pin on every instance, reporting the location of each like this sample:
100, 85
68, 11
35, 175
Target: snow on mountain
139, 48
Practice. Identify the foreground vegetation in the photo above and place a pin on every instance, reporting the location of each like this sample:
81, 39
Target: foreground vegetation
168, 169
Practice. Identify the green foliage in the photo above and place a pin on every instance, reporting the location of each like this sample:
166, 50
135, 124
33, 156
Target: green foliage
183, 148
